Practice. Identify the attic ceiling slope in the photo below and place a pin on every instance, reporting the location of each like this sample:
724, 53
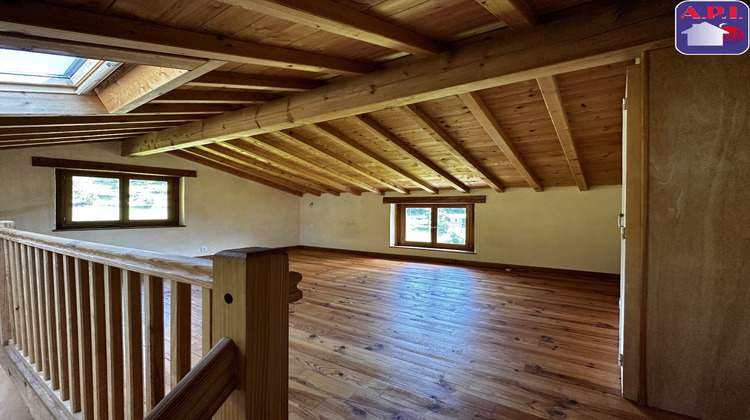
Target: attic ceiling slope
614, 33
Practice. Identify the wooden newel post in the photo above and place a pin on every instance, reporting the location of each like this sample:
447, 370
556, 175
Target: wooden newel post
250, 295
6, 307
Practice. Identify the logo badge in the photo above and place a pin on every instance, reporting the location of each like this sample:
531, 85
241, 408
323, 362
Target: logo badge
712, 27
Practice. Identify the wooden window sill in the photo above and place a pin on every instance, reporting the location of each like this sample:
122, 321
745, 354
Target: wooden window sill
424, 248
116, 228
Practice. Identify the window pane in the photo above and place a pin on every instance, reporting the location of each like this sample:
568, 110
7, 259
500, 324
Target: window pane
149, 200
418, 224
95, 199
451, 226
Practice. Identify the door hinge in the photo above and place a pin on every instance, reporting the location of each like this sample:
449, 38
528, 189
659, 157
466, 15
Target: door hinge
624, 104
619, 360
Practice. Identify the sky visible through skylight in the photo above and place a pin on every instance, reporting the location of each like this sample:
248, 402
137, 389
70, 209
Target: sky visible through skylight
32, 67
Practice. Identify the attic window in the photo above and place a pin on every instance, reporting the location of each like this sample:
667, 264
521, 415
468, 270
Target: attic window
21, 70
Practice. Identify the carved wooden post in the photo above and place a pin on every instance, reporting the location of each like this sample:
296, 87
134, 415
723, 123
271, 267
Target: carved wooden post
6, 307
250, 295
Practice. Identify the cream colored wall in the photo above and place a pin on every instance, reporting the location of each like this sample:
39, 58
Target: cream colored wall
221, 210
557, 228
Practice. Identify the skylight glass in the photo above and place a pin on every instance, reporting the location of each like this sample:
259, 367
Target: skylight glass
36, 68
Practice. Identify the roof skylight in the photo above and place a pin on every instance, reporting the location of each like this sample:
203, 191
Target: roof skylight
36, 68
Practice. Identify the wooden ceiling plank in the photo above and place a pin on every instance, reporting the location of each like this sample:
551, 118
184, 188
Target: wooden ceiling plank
609, 33
265, 167
145, 83
518, 14
299, 160
203, 152
344, 21
381, 133
213, 97
245, 149
325, 153
31, 104
485, 118
437, 132
98, 52
32, 132
335, 173
49, 21
553, 100
226, 80
342, 140
59, 122
242, 174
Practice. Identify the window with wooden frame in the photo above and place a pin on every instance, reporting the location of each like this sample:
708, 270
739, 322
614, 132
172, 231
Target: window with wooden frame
435, 225
96, 199
109, 195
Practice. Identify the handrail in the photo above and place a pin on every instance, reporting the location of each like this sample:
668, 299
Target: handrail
204, 389
194, 271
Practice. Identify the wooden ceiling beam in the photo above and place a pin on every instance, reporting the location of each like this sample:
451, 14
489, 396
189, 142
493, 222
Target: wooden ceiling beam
331, 171
296, 162
323, 152
184, 109
98, 52
485, 118
553, 100
63, 136
58, 122
67, 24
187, 155
142, 84
253, 153
56, 142
344, 141
213, 97
230, 157
381, 133
605, 34
438, 133
81, 130
226, 80
517, 14
344, 21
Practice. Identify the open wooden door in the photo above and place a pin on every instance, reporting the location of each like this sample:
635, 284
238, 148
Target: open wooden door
632, 235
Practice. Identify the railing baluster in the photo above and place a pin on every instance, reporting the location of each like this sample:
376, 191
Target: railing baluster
61, 327
71, 326
113, 307
39, 287
154, 302
28, 314
7, 330
19, 310
180, 331
50, 315
206, 311
98, 338
85, 352
133, 347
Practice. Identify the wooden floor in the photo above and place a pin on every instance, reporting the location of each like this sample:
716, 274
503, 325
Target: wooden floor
388, 339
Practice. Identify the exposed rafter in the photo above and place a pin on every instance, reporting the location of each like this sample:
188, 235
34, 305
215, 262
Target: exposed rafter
54, 22
607, 35
551, 94
381, 133
516, 13
323, 151
141, 84
253, 152
39, 132
303, 157
441, 136
342, 140
56, 122
213, 97
188, 155
264, 168
184, 109
219, 79
485, 118
341, 20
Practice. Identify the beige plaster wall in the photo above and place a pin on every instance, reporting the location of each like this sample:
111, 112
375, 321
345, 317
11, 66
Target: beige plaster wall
221, 211
558, 228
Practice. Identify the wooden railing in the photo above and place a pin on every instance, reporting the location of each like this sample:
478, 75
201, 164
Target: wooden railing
87, 322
